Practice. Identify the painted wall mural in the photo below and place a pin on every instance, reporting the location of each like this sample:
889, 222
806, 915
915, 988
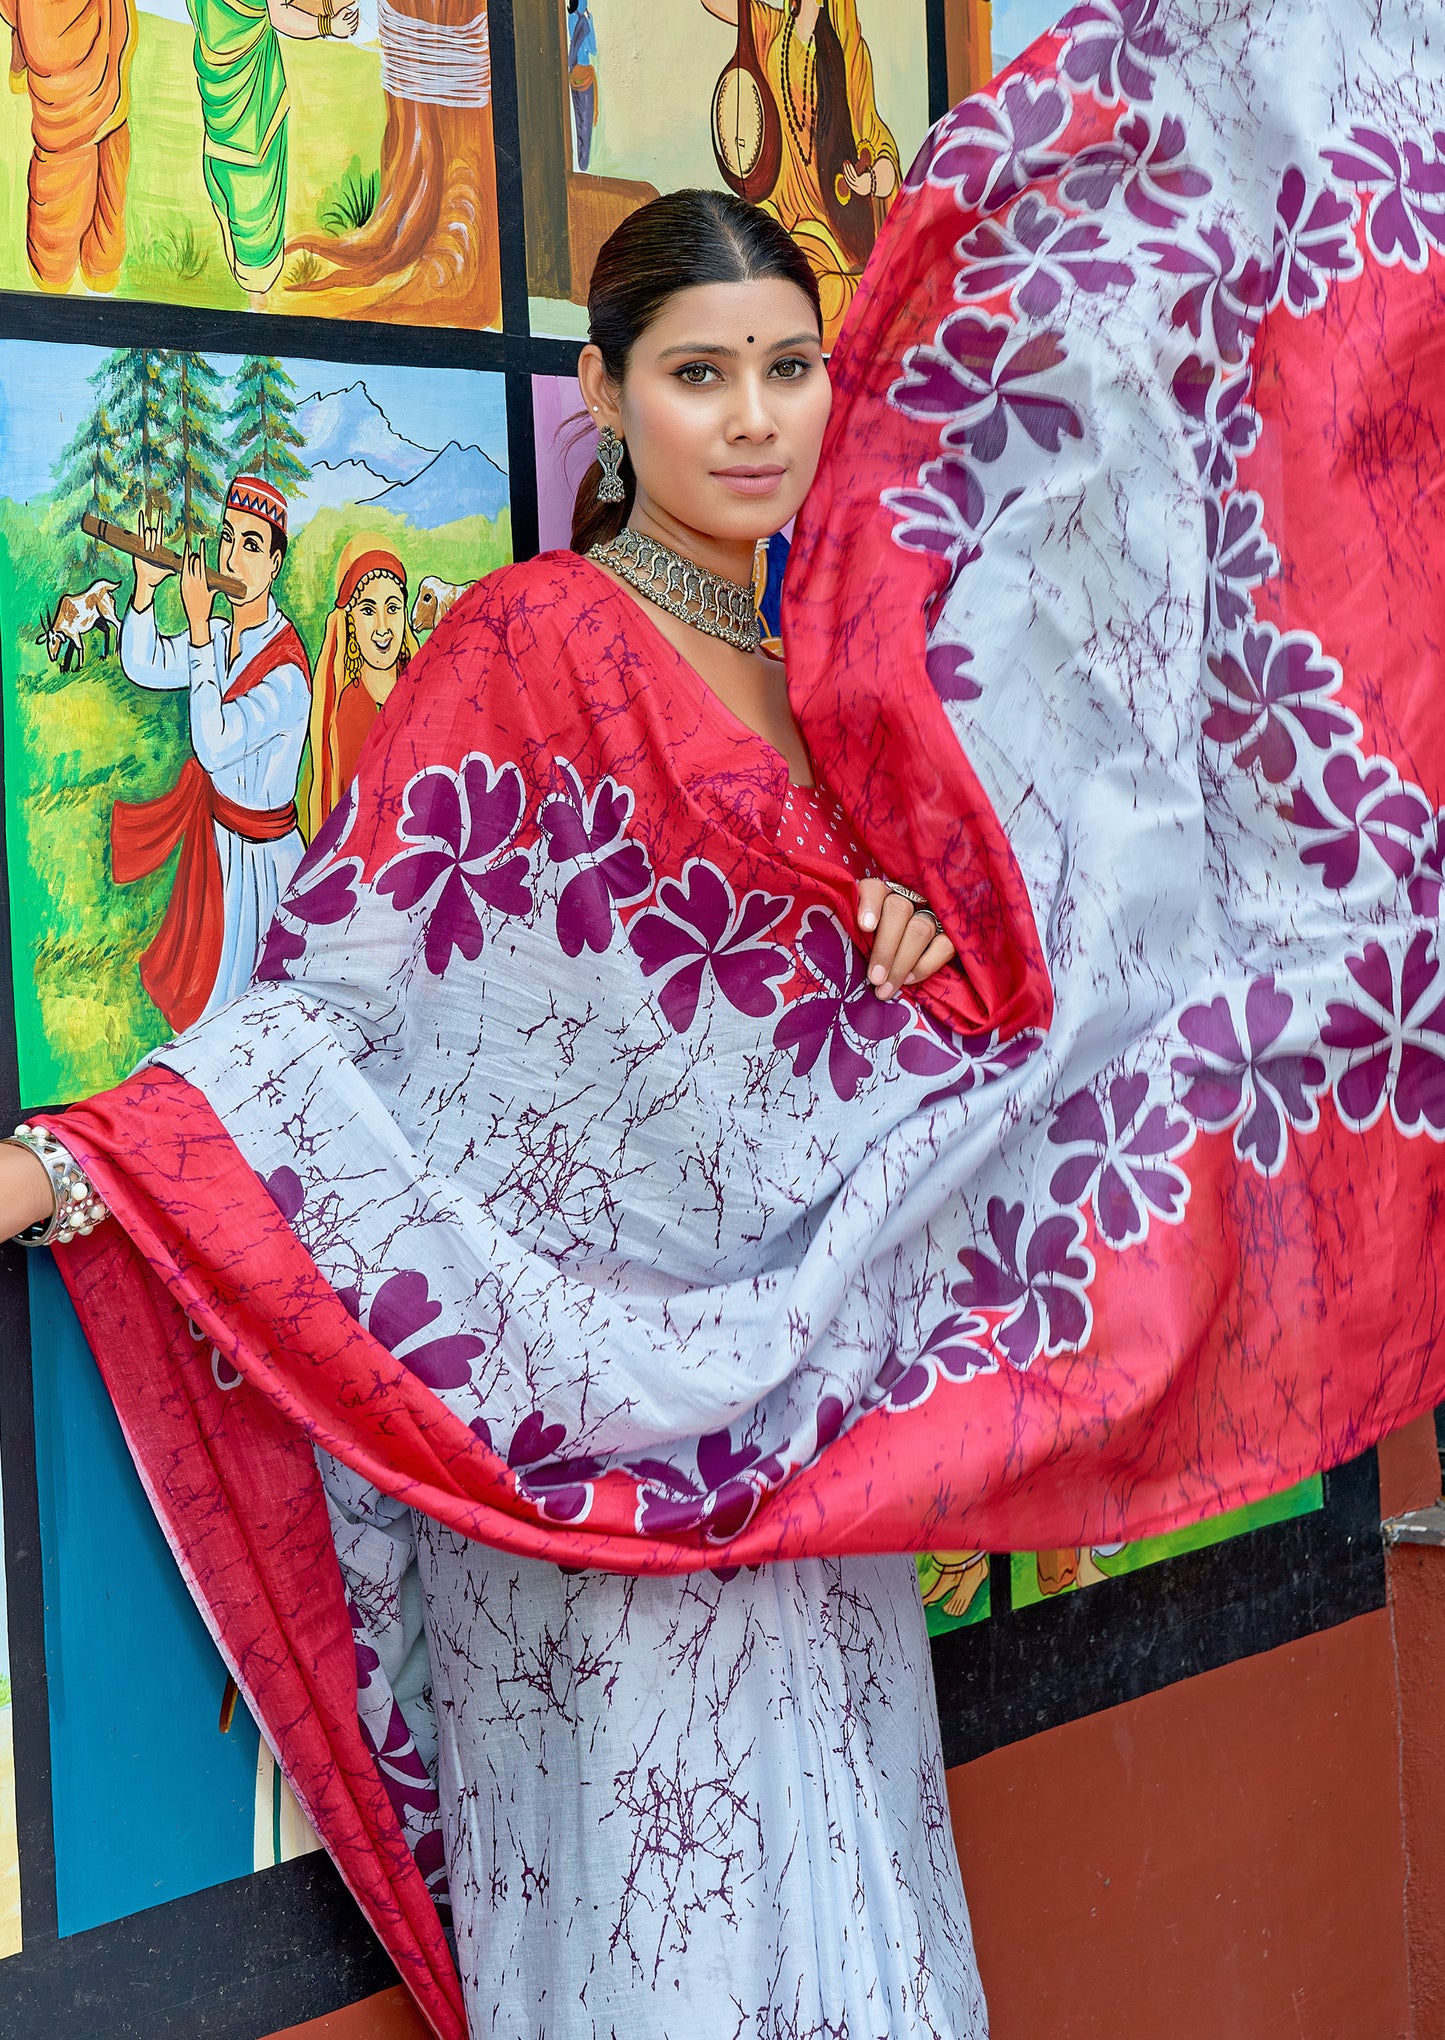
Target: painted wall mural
814, 113
292, 155
9, 1839
107, 750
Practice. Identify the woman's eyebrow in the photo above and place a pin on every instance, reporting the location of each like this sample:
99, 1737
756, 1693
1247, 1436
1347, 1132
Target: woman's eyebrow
732, 353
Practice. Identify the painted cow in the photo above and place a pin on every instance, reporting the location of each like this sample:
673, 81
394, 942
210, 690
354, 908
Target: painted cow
434, 597
75, 617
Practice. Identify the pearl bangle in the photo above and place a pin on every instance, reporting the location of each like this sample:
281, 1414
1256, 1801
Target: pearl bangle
78, 1210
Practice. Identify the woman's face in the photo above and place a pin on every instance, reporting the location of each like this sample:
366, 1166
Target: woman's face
723, 408
378, 616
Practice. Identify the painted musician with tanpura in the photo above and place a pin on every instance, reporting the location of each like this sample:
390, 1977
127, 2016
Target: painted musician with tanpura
796, 130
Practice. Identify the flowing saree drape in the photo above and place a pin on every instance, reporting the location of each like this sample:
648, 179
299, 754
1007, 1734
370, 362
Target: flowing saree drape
561, 1177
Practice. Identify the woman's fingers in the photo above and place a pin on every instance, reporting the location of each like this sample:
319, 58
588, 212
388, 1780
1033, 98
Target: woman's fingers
914, 943
895, 948
872, 892
939, 952
908, 947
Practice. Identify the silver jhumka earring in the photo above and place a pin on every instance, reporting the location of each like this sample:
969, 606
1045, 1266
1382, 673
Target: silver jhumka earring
609, 456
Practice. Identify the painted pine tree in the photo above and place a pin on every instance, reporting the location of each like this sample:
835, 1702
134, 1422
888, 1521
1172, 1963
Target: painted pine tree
262, 420
133, 387
198, 423
88, 476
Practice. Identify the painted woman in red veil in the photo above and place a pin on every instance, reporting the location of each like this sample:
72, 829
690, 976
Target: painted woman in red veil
368, 645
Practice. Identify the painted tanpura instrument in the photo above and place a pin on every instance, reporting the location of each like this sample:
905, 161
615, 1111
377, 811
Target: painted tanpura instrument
155, 556
747, 135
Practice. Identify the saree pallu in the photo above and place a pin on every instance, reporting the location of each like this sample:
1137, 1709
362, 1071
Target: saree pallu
561, 1177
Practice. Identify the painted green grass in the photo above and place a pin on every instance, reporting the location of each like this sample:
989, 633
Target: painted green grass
1302, 1500
76, 743
173, 245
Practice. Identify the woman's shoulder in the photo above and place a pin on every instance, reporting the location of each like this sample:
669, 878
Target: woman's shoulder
540, 598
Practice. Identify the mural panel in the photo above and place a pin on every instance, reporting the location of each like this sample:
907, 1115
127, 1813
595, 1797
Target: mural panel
812, 111
336, 514
332, 157
9, 1847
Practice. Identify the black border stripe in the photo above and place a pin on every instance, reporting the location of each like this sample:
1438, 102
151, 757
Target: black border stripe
1023, 1671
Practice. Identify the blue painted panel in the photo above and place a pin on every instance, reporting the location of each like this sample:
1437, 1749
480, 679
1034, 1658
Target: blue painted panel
151, 1800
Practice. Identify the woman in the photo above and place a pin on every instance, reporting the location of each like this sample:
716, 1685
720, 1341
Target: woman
367, 647
719, 1799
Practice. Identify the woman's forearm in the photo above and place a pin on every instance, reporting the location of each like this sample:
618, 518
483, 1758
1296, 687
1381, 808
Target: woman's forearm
26, 1197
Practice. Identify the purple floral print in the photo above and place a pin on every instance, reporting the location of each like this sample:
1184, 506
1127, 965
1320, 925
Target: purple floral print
976, 381
1149, 165
842, 1012
1036, 255
1393, 1038
966, 1060
1240, 556
404, 1306
1120, 1148
1366, 807
951, 673
1115, 46
589, 830
1038, 1299
1224, 295
1240, 1078
464, 825
942, 514
1314, 243
1407, 212
699, 926
990, 150
1222, 425
1275, 698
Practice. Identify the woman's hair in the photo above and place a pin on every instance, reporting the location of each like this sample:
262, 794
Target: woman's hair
678, 242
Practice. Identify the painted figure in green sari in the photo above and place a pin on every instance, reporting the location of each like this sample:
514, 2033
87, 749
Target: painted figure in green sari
245, 105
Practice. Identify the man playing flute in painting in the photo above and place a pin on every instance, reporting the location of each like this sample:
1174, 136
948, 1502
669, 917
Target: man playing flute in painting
233, 809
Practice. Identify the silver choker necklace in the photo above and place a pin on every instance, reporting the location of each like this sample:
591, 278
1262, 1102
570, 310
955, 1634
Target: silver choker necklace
724, 609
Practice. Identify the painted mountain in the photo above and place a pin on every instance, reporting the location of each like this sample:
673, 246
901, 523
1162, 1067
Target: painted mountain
459, 476
357, 456
350, 426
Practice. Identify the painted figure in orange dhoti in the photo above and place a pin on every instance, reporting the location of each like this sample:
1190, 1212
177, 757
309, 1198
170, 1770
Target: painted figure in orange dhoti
75, 60
838, 163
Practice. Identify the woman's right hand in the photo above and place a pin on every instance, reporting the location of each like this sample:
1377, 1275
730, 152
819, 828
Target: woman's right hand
26, 1197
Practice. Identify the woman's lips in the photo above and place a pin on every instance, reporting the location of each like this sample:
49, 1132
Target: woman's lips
750, 481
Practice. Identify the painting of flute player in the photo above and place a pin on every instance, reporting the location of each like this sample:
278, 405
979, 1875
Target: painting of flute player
328, 157
232, 811
245, 108
153, 753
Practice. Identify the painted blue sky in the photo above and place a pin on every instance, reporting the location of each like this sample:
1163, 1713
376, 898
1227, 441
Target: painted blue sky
44, 394
1017, 23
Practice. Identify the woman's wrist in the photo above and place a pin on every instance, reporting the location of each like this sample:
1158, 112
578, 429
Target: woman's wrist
45, 1196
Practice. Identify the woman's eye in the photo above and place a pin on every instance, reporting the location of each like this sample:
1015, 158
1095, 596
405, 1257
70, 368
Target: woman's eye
790, 367
696, 373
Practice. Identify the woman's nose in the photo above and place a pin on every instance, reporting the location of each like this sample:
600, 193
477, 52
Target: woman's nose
753, 416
